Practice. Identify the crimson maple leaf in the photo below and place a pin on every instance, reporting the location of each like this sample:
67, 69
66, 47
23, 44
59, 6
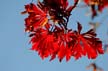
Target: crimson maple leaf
86, 44
37, 17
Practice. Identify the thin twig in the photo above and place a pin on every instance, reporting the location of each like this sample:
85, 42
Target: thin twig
75, 4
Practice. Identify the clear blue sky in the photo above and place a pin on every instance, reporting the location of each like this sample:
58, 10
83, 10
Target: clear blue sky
14, 42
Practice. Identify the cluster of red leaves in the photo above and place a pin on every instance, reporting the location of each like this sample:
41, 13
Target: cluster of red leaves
101, 4
68, 43
56, 39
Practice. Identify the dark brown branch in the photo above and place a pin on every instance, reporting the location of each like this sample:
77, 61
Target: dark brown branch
75, 4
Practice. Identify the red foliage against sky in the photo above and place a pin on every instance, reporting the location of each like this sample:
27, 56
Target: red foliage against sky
101, 4
47, 23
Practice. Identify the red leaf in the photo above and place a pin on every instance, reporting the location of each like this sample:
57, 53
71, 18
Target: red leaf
68, 54
37, 17
61, 53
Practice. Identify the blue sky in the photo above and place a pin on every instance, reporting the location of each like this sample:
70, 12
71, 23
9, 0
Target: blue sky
14, 42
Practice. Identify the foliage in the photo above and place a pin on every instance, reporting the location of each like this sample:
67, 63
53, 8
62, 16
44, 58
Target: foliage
47, 23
